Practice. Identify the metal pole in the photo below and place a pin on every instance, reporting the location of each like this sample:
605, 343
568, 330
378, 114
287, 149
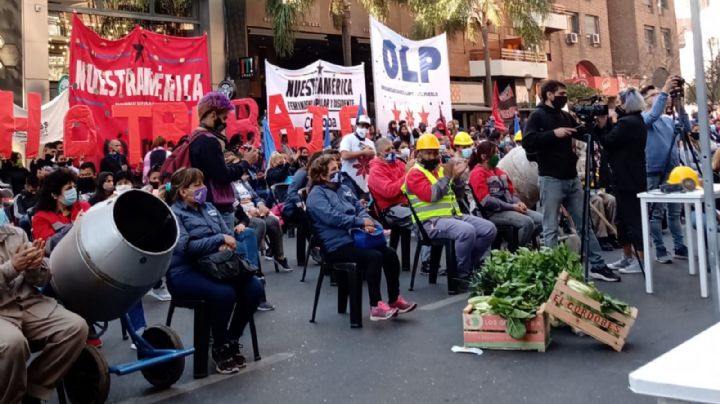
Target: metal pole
710, 220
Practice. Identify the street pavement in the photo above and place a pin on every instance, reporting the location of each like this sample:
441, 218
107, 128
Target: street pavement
409, 359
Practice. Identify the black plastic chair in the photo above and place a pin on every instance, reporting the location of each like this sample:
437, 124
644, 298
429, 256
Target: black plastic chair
279, 192
436, 245
508, 233
398, 234
201, 333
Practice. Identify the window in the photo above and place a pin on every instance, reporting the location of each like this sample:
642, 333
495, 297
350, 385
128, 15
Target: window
663, 4
574, 22
650, 40
649, 5
592, 25
667, 40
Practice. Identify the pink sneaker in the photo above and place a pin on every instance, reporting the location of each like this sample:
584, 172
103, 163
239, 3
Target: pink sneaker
403, 306
381, 312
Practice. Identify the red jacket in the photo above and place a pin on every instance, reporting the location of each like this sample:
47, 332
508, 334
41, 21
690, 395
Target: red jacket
493, 189
384, 182
43, 220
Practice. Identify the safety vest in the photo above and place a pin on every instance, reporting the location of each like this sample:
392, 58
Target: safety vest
445, 207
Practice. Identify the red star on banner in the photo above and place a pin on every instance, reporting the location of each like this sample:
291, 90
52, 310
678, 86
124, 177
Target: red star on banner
424, 115
396, 112
409, 118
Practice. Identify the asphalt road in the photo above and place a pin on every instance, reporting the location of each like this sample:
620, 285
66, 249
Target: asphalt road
409, 359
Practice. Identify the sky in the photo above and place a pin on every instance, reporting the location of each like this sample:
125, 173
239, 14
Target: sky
710, 28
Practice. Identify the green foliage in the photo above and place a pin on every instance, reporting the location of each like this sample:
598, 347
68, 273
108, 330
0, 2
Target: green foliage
284, 14
519, 283
578, 92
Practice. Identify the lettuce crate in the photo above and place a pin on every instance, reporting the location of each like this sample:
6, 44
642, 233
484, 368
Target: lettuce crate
488, 331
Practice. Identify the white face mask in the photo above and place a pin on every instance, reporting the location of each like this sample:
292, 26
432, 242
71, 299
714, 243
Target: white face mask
405, 152
362, 132
123, 188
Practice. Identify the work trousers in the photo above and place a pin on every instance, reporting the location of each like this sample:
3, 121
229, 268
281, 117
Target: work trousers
529, 224
372, 261
473, 238
605, 204
61, 335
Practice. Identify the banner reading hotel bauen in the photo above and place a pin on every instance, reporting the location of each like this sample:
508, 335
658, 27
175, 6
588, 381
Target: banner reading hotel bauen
321, 84
411, 78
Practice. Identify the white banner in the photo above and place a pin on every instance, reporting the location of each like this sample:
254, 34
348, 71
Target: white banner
51, 120
411, 78
321, 83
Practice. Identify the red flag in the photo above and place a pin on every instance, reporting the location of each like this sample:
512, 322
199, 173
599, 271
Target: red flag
499, 123
444, 123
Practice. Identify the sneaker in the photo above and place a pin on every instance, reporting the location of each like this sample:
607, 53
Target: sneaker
283, 265
315, 255
663, 259
267, 254
604, 274
402, 305
161, 294
633, 268
382, 312
265, 306
605, 245
133, 347
622, 263
236, 349
224, 359
425, 270
681, 254
96, 342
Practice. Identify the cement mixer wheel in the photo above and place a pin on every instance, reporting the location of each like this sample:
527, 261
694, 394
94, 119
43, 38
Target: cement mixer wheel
88, 381
165, 374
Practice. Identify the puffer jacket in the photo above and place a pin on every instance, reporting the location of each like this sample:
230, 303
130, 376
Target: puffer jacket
334, 212
202, 232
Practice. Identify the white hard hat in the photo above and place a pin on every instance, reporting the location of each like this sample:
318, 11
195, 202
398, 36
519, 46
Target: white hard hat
363, 119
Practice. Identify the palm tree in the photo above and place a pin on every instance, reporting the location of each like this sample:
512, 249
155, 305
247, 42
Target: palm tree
477, 16
285, 13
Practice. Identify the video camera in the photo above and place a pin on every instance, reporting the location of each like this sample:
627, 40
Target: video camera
679, 90
588, 110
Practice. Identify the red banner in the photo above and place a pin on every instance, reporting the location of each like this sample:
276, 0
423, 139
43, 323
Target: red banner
115, 78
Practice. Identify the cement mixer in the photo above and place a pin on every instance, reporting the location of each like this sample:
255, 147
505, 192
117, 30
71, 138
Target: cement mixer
108, 260
523, 174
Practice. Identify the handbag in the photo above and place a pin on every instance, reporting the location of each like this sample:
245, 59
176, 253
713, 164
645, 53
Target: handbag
365, 240
225, 265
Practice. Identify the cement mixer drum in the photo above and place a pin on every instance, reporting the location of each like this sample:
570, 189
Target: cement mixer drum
113, 255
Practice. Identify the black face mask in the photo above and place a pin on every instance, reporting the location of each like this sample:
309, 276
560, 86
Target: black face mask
85, 184
62, 164
219, 125
154, 185
48, 157
695, 135
559, 101
430, 165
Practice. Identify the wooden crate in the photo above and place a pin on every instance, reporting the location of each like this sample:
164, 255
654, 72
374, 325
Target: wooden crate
488, 331
584, 313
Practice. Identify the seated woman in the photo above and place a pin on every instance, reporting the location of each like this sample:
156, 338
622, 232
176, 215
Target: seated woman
104, 189
496, 197
123, 182
279, 170
203, 232
334, 212
57, 205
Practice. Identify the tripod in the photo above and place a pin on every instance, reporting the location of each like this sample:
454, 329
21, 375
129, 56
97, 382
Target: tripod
589, 177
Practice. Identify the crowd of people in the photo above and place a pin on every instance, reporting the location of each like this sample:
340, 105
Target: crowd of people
442, 179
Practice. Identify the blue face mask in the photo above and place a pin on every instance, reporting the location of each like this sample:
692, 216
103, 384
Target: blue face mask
335, 178
466, 153
70, 197
3, 218
390, 157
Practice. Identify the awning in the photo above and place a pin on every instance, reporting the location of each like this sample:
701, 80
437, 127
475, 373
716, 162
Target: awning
470, 108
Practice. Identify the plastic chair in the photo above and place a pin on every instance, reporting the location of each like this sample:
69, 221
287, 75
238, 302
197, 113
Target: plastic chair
508, 233
398, 234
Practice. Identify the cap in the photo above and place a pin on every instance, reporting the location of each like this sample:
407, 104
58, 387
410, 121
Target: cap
363, 119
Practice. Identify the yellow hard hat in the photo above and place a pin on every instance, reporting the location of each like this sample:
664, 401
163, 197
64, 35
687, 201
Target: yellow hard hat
427, 142
685, 176
518, 137
463, 139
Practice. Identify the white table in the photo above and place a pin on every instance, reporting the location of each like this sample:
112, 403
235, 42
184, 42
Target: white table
689, 372
694, 198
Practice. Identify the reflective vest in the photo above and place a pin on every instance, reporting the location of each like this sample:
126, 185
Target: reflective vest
445, 207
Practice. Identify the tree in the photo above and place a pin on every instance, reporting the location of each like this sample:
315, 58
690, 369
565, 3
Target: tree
576, 92
473, 17
285, 13
712, 79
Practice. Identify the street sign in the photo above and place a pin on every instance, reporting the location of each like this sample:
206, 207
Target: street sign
247, 67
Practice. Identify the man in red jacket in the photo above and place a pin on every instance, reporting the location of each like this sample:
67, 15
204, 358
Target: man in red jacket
386, 176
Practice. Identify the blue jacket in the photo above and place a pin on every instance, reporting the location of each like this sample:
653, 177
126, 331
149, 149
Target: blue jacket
660, 137
334, 212
292, 200
202, 232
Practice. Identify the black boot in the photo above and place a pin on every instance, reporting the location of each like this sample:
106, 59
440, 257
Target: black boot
236, 349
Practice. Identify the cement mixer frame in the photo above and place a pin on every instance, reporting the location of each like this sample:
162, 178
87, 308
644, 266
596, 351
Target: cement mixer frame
161, 359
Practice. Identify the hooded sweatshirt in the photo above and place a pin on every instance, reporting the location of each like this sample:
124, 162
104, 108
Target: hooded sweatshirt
659, 159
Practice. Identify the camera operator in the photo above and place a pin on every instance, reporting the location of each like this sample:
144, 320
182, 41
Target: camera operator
548, 133
661, 155
624, 144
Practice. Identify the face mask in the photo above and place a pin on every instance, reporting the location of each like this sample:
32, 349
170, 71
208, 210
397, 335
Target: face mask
466, 153
70, 197
3, 217
430, 165
200, 195
155, 185
559, 101
335, 178
619, 111
109, 187
219, 125
123, 188
390, 157
48, 157
494, 160
85, 184
361, 132
405, 152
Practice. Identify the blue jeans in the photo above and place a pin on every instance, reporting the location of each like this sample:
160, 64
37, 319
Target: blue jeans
221, 298
137, 316
555, 192
657, 212
247, 246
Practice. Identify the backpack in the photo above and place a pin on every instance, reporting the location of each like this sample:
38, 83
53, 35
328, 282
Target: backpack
157, 157
180, 158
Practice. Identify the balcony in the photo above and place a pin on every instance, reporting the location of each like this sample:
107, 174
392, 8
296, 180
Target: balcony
509, 63
555, 21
